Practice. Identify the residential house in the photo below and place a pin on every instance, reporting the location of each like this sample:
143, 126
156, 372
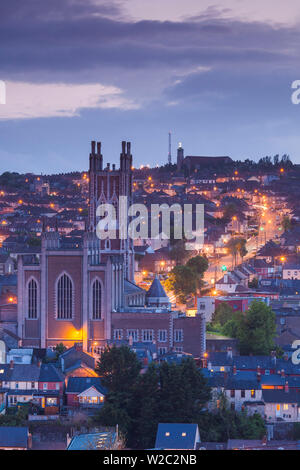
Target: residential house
85, 392
15, 438
177, 436
291, 271
75, 362
281, 405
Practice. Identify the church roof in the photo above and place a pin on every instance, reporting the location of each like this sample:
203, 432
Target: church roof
156, 289
131, 288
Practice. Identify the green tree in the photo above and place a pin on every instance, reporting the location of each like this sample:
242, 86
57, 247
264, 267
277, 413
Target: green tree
223, 313
119, 368
237, 246
199, 264
286, 223
167, 392
256, 329
182, 281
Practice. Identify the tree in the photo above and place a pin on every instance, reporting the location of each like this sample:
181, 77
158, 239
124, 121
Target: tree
183, 392
60, 349
164, 393
119, 368
182, 281
223, 313
199, 265
237, 246
286, 223
256, 329
178, 252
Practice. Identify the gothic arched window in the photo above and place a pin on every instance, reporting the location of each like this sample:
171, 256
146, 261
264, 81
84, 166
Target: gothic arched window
64, 305
96, 300
32, 299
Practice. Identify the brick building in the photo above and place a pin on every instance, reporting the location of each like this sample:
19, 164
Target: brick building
85, 292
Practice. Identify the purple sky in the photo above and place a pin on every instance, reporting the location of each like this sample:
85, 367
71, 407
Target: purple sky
217, 74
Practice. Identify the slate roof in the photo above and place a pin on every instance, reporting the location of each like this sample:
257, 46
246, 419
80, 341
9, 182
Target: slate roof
49, 373
281, 396
131, 288
156, 289
12, 436
80, 384
176, 439
73, 357
20, 372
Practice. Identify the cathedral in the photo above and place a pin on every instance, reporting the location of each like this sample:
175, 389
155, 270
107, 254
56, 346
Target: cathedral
86, 293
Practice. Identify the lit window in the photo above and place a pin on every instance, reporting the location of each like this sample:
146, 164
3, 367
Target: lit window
252, 393
167, 433
183, 434
285, 406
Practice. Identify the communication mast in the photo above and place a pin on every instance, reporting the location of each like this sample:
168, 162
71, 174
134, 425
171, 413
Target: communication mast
169, 154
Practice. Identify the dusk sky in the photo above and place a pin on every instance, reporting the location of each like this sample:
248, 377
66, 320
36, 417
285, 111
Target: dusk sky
217, 74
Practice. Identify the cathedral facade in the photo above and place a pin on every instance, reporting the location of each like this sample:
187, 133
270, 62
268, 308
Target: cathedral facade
86, 292
66, 294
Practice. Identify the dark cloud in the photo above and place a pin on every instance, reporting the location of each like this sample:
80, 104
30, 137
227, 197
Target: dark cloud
67, 36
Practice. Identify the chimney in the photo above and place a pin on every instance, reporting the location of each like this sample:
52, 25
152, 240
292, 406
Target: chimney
128, 148
123, 147
286, 387
93, 146
234, 370
11, 364
113, 166
258, 375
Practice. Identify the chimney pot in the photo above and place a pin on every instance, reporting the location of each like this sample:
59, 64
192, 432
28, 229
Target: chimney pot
93, 144
99, 148
123, 147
